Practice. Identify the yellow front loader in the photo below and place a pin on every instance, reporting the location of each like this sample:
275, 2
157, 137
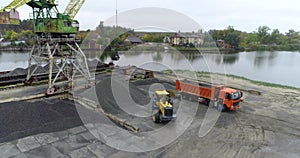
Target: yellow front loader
162, 109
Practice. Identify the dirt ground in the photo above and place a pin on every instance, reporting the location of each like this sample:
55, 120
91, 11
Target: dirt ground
266, 125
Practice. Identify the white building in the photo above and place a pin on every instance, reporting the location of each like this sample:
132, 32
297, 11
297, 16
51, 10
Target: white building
182, 39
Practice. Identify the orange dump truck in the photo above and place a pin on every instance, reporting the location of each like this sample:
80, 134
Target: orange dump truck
225, 98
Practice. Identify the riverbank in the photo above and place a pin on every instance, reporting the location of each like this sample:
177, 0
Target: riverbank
206, 50
227, 77
161, 47
260, 47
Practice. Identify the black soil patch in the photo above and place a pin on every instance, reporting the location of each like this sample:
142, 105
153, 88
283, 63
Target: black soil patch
21, 119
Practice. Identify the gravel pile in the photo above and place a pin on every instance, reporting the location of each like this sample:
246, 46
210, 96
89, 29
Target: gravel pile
149, 81
17, 71
107, 101
22, 71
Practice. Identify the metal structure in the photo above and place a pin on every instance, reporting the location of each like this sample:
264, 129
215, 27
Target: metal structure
48, 21
73, 7
55, 45
14, 5
61, 56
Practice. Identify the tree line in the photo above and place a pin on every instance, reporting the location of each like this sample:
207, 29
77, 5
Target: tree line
264, 38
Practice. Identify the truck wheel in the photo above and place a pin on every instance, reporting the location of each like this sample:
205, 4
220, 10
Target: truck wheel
156, 118
207, 102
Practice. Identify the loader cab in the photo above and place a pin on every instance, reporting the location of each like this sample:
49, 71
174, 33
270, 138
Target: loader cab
164, 97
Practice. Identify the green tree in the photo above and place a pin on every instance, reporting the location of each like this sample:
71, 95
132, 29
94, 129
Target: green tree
230, 28
263, 34
147, 38
283, 40
26, 25
11, 35
275, 37
292, 36
229, 35
213, 34
28, 36
233, 38
252, 38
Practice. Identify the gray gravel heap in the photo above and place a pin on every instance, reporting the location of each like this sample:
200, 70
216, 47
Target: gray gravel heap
107, 101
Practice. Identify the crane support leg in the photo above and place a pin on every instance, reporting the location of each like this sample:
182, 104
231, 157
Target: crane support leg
60, 58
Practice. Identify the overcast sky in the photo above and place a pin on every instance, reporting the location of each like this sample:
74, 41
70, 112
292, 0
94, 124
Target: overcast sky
245, 15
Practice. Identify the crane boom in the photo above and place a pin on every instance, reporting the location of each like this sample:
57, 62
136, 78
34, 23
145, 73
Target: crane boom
14, 5
73, 7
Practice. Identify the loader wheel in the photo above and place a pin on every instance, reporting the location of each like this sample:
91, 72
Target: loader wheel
156, 117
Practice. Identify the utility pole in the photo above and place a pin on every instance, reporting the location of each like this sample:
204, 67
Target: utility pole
116, 13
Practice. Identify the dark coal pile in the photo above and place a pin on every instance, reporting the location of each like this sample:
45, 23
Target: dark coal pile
95, 63
17, 71
148, 82
22, 71
20, 119
45, 69
109, 104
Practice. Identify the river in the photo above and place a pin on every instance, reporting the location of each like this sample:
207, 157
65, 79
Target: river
276, 67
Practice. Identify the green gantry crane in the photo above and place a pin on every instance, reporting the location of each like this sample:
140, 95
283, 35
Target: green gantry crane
55, 43
46, 17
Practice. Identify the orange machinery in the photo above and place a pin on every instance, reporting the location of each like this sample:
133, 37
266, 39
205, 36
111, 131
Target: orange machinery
226, 98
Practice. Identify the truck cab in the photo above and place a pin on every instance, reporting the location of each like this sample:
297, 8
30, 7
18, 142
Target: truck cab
229, 99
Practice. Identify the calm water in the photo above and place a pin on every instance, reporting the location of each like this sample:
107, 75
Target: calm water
276, 67
11, 60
